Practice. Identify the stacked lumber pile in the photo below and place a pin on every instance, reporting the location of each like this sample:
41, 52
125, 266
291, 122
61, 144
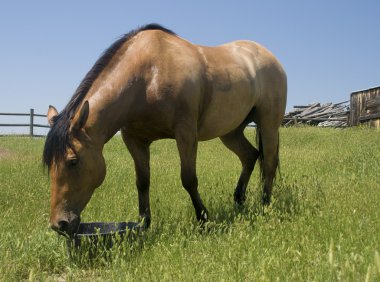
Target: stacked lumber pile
325, 115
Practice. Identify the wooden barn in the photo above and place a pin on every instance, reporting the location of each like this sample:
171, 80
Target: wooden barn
365, 108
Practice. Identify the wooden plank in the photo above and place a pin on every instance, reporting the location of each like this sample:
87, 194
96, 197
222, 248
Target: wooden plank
309, 111
301, 107
369, 116
12, 124
317, 119
13, 114
41, 125
21, 114
372, 106
338, 104
31, 122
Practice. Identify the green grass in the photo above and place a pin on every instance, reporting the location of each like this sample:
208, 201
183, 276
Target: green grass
323, 224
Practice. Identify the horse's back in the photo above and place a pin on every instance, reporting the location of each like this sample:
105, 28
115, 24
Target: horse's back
214, 87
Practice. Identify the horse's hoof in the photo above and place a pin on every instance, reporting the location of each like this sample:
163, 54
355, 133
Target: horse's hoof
144, 223
239, 199
266, 200
202, 218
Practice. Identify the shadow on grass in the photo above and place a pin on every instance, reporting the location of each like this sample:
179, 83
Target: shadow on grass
290, 200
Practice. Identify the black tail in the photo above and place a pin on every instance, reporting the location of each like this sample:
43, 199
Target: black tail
259, 143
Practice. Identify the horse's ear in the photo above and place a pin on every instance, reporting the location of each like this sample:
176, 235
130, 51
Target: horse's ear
51, 114
81, 117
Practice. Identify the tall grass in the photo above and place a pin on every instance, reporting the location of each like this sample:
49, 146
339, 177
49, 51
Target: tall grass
323, 224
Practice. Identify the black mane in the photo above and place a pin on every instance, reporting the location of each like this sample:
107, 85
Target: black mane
58, 139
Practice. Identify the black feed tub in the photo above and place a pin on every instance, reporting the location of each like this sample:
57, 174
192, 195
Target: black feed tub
97, 237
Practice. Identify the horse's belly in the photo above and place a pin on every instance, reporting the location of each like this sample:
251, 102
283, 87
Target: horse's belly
226, 111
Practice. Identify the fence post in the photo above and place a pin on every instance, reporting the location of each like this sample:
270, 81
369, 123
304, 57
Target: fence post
31, 122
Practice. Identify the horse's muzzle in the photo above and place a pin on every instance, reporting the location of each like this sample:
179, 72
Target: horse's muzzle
65, 227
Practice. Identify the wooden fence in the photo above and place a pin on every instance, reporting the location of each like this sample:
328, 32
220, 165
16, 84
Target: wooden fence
365, 107
31, 123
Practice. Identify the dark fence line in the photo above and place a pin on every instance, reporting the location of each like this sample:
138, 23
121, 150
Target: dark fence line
31, 123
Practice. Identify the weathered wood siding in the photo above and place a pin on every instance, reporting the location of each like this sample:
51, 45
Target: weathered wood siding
358, 108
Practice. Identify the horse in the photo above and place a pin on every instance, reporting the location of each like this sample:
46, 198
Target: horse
151, 84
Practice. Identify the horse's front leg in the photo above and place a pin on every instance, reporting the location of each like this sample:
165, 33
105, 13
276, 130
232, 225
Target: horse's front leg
140, 153
187, 147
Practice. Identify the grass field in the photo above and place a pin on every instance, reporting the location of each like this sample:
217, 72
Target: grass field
323, 224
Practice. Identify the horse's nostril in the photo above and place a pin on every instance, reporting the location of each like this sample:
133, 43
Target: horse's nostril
61, 226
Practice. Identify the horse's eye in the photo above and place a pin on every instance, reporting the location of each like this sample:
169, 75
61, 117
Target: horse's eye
73, 162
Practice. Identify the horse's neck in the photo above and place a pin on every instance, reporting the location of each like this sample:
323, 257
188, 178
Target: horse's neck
105, 117
110, 95
103, 124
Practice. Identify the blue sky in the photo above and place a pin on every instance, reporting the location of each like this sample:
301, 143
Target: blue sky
328, 48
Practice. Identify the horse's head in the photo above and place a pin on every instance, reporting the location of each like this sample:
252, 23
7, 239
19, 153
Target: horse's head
76, 167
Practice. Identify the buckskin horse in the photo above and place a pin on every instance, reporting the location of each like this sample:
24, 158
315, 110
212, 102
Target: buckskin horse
152, 84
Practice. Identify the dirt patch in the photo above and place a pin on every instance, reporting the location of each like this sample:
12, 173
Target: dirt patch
4, 154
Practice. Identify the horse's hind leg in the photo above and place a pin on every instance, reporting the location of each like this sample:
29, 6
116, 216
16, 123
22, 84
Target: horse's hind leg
270, 142
187, 147
238, 143
140, 153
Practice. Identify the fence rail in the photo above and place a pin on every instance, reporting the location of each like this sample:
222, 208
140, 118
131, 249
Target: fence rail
31, 123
